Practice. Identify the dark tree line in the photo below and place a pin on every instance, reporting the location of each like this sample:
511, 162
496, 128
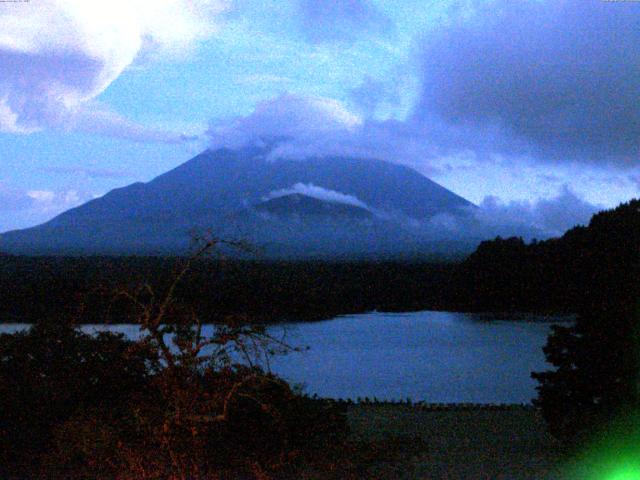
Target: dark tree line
597, 361
502, 275
32, 288
507, 274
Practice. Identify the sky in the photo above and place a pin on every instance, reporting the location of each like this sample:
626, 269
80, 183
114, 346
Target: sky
529, 109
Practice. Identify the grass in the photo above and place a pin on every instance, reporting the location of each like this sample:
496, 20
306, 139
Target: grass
406, 442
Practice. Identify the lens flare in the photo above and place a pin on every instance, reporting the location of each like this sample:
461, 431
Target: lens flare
612, 455
625, 472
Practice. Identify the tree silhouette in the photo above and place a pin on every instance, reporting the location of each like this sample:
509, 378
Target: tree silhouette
597, 360
183, 400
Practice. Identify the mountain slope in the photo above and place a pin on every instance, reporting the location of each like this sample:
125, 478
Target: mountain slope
228, 191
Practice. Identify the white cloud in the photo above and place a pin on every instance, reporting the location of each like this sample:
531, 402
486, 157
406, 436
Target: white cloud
300, 127
41, 196
314, 191
295, 119
48, 202
24, 208
57, 56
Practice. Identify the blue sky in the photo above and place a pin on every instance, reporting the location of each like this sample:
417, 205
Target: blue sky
515, 103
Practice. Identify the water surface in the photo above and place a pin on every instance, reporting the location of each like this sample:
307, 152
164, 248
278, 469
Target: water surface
429, 356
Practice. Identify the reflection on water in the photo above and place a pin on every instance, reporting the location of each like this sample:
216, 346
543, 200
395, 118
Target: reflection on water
430, 356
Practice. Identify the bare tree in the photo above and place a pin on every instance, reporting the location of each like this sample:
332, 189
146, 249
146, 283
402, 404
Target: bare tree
204, 371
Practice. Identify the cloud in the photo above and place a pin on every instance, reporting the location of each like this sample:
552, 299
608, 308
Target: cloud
548, 79
373, 93
88, 172
543, 218
21, 208
325, 21
298, 127
294, 118
550, 215
314, 191
57, 57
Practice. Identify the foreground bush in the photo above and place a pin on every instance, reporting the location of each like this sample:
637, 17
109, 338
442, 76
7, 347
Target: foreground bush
174, 404
50, 373
78, 406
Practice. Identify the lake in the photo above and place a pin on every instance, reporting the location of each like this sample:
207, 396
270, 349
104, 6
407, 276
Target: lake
429, 356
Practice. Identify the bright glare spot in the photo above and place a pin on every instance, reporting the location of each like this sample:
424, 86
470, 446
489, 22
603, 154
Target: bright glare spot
625, 473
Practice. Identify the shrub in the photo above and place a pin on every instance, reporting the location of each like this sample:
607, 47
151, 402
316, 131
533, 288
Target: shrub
175, 404
49, 373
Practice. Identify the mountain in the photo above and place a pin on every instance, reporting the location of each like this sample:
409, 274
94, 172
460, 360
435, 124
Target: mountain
314, 207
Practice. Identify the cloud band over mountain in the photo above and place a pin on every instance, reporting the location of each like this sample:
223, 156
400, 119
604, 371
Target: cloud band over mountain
320, 193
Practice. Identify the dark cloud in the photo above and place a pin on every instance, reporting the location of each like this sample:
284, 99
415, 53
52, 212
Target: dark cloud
544, 218
341, 20
551, 79
552, 216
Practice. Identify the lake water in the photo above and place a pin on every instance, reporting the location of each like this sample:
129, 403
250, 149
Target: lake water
430, 356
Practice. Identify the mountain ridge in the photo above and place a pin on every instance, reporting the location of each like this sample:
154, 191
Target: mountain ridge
220, 189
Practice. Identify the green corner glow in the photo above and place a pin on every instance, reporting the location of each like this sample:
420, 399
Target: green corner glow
613, 455
624, 473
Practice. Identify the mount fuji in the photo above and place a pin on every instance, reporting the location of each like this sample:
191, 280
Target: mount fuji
313, 208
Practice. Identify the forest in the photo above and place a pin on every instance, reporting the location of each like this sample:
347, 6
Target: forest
502, 275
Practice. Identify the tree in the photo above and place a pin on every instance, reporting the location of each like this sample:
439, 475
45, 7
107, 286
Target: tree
597, 360
184, 400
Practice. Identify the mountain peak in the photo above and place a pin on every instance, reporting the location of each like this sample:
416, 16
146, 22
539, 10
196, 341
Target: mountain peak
214, 189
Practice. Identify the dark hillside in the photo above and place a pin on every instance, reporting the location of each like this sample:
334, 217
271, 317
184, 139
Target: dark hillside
556, 274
